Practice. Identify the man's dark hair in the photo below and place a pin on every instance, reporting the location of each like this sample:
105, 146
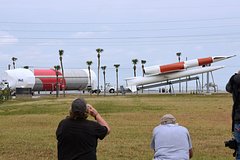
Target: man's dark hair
78, 109
235, 87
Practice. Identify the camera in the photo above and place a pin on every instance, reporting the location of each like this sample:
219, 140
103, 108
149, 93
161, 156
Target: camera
232, 144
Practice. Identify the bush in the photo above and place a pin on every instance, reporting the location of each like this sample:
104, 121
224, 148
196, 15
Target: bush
5, 95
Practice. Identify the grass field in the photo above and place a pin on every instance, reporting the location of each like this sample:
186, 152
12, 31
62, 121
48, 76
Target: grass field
27, 126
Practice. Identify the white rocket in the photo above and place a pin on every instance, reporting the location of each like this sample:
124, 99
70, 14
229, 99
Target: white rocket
159, 73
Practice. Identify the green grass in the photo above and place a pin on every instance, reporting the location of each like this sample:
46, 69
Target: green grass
27, 126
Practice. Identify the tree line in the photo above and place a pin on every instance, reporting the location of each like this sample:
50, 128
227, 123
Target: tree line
89, 63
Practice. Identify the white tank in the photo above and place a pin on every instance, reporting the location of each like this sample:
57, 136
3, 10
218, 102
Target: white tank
45, 79
19, 78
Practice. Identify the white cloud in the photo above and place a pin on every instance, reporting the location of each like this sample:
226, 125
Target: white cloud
6, 38
199, 48
83, 34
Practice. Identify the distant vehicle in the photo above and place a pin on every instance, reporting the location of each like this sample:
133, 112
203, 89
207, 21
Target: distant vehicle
46, 79
109, 89
3, 85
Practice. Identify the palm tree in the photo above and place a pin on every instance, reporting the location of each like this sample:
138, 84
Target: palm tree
63, 78
104, 78
89, 63
143, 70
134, 61
99, 50
14, 59
116, 66
57, 68
178, 54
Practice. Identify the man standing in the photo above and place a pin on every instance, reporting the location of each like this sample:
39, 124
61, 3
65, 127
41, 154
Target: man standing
78, 137
171, 141
233, 86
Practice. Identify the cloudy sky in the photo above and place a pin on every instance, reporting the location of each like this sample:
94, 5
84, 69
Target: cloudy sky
152, 30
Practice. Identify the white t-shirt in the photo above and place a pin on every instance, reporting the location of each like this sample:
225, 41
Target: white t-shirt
171, 142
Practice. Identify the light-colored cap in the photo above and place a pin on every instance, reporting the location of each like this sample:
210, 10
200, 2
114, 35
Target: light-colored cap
168, 119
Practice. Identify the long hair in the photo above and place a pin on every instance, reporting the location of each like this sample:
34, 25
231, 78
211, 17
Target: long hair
77, 115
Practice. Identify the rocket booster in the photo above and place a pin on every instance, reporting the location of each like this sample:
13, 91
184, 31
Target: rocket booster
45, 79
152, 70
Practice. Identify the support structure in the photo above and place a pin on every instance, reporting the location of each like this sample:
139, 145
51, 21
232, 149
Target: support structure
167, 83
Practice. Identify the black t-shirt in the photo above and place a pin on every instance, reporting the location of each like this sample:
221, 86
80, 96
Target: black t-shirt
77, 139
233, 86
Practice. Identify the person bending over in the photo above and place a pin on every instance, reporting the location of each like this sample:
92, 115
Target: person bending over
171, 141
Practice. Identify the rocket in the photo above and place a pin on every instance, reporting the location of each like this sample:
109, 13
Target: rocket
45, 79
184, 65
160, 73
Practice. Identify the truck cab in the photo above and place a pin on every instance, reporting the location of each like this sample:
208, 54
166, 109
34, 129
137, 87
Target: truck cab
109, 89
3, 85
